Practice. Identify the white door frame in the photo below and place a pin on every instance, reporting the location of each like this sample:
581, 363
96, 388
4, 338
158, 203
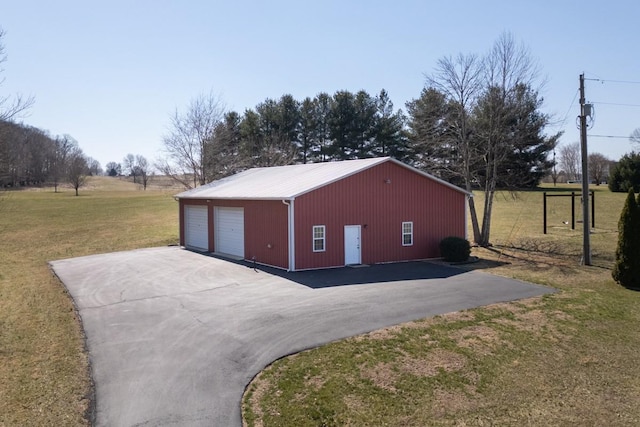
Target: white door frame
352, 245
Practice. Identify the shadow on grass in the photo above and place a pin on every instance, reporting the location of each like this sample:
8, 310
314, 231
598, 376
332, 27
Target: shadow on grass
536, 260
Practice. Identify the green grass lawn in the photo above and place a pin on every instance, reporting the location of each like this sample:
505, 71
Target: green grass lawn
566, 359
571, 358
44, 378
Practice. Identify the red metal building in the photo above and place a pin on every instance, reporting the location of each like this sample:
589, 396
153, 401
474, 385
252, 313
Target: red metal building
324, 215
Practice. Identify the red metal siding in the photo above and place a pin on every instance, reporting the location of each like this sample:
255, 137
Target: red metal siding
265, 228
379, 199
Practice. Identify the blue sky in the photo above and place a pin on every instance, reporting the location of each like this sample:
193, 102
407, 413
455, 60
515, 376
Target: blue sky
111, 73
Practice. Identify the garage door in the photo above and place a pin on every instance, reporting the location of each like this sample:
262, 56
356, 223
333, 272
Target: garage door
196, 229
229, 227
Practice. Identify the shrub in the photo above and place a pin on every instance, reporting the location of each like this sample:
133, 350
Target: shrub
626, 269
455, 249
626, 174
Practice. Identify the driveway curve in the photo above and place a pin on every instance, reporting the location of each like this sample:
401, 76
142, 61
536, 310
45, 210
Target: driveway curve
174, 336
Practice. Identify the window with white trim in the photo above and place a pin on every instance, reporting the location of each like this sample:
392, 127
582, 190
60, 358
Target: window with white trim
318, 238
407, 233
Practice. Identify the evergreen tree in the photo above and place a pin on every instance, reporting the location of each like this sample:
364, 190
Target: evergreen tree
364, 130
510, 126
307, 136
322, 107
251, 138
223, 154
626, 269
440, 138
289, 118
390, 139
341, 124
626, 174
273, 140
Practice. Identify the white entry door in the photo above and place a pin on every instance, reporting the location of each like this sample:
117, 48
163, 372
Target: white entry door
352, 253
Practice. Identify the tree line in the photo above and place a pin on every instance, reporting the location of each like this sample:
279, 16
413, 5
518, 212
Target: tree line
207, 143
30, 156
478, 124
568, 167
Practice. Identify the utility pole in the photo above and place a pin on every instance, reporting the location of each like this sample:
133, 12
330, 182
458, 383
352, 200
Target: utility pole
585, 110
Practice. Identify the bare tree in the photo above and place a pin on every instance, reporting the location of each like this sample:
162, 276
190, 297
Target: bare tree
93, 166
570, 161
129, 166
77, 169
635, 136
172, 171
63, 146
11, 106
598, 168
142, 170
276, 150
508, 68
476, 121
459, 79
113, 169
185, 144
555, 174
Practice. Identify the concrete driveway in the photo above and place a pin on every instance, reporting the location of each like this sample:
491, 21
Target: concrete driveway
174, 336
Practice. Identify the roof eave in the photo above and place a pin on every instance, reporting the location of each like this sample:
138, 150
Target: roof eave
235, 198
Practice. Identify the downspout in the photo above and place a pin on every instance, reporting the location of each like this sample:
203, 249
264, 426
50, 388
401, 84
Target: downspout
291, 233
466, 216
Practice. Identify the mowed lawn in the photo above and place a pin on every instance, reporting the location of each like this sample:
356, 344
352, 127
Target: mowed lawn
572, 358
566, 359
44, 377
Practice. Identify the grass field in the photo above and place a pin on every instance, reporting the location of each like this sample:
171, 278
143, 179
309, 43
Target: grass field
571, 358
567, 359
44, 377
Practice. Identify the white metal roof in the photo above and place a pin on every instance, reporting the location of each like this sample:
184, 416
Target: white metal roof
287, 182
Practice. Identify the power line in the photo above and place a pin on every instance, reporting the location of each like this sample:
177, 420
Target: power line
566, 116
631, 82
608, 136
603, 80
613, 103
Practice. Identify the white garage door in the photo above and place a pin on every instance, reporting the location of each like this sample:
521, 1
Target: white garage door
229, 231
196, 229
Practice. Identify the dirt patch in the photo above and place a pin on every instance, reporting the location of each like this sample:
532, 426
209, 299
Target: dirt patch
455, 316
561, 315
428, 338
380, 334
480, 339
430, 365
315, 382
533, 321
514, 307
259, 388
458, 316
354, 403
447, 402
537, 322
381, 375
391, 331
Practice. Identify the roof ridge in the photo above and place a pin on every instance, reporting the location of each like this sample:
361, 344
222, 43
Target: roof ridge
287, 182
